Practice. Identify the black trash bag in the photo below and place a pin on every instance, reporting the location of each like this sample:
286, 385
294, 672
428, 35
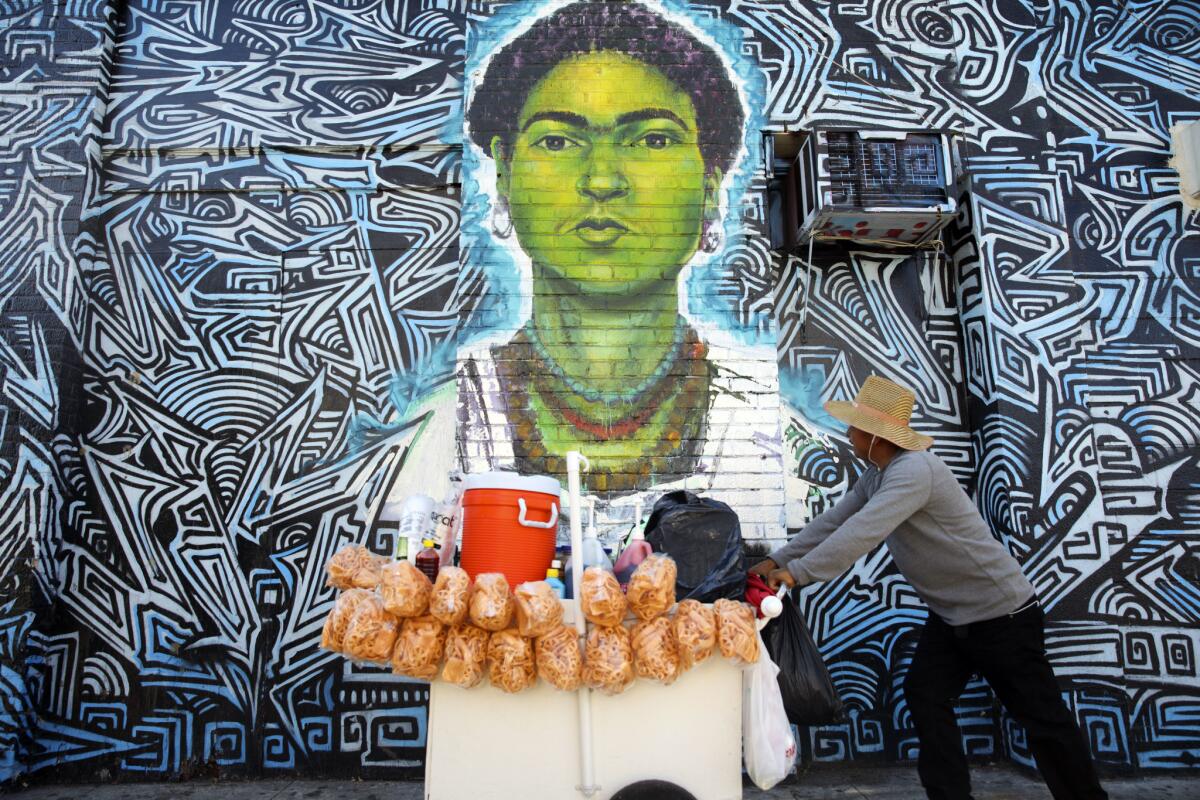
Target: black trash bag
704, 537
809, 697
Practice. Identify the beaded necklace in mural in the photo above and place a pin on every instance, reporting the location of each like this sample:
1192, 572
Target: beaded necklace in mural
674, 452
595, 396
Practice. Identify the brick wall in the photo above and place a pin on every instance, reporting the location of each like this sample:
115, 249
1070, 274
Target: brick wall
53, 80
253, 283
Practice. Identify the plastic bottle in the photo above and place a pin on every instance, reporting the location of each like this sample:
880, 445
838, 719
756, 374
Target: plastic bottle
569, 586
635, 553
638, 528
416, 524
593, 555
428, 560
552, 578
593, 552
448, 517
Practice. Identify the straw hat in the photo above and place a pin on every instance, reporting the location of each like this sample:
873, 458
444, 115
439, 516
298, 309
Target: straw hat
882, 409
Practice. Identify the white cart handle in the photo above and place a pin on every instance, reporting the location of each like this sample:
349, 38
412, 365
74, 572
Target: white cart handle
528, 523
771, 607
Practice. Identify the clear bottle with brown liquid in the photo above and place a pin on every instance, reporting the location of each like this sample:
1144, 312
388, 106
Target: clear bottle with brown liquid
428, 560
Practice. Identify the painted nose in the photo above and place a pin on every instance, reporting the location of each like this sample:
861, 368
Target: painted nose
603, 179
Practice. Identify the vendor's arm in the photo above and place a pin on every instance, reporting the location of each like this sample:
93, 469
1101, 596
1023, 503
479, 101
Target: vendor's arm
816, 531
903, 489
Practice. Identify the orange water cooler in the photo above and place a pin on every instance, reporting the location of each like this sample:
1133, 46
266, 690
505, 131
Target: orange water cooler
509, 525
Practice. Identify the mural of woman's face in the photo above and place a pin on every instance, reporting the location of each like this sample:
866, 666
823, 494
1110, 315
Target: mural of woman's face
604, 180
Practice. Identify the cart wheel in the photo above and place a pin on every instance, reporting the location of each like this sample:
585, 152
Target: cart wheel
653, 790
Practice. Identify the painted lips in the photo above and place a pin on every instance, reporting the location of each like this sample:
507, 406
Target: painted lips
600, 231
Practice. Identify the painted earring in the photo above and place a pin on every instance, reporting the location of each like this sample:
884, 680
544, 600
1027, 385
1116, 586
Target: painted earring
502, 224
710, 240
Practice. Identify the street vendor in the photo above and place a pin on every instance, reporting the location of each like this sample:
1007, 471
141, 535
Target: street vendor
985, 617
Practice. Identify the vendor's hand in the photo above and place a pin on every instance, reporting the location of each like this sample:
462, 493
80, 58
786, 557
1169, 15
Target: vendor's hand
780, 576
764, 567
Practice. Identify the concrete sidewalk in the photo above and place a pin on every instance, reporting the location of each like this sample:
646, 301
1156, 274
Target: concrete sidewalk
818, 783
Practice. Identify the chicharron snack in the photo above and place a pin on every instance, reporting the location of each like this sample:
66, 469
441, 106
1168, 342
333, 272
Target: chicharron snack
608, 660
559, 662
354, 566
491, 606
451, 594
342, 566
651, 590
601, 598
419, 648
405, 589
340, 616
538, 609
695, 629
736, 634
511, 667
466, 655
370, 572
655, 654
372, 633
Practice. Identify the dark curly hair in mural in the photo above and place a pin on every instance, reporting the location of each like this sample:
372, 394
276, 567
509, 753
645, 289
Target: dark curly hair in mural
629, 28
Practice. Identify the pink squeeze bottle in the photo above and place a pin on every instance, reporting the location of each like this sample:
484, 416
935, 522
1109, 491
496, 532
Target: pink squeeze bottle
635, 552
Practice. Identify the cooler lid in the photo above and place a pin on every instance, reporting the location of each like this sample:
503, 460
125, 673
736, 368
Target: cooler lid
511, 480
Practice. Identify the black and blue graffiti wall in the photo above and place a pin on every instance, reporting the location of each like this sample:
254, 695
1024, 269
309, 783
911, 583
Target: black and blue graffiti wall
266, 265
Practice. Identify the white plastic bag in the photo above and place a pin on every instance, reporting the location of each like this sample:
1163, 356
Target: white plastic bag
767, 741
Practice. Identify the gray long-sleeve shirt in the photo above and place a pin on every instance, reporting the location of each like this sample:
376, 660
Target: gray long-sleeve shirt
935, 534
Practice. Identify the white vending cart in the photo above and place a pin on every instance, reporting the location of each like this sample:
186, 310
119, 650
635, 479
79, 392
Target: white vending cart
484, 744
545, 744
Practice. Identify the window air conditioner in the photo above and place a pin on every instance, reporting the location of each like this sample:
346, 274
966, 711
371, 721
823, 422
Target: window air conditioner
884, 186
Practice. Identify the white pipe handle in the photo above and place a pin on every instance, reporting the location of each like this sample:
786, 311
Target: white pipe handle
771, 607
528, 523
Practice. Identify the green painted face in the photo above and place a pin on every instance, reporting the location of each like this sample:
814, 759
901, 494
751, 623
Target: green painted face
604, 181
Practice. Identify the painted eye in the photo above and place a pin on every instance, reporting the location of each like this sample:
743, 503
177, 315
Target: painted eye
656, 141
555, 143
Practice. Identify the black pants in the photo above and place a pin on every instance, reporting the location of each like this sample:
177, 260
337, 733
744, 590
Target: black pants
1010, 653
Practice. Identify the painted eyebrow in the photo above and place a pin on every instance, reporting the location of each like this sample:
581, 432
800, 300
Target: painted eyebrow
572, 119
647, 114
580, 121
